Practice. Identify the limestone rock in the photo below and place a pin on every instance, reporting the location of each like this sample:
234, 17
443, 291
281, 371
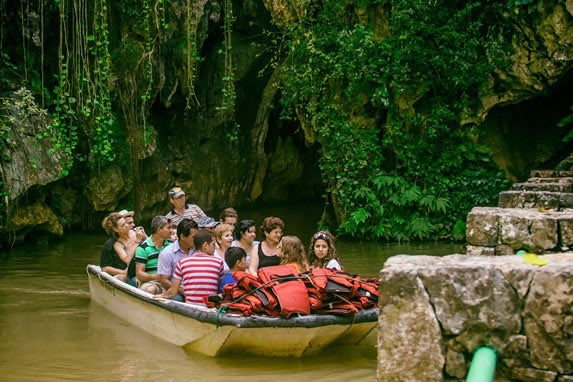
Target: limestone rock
548, 307
410, 329
482, 228
28, 145
37, 216
473, 250
105, 190
533, 375
520, 310
456, 364
464, 292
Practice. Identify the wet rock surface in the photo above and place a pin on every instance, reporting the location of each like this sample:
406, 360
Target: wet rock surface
436, 311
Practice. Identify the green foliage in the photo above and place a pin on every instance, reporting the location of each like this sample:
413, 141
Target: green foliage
387, 106
228, 99
81, 105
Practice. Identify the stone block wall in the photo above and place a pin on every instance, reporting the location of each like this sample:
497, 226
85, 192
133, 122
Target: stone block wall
436, 311
536, 216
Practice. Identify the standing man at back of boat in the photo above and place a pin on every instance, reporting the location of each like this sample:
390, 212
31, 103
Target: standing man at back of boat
147, 255
181, 209
170, 256
199, 274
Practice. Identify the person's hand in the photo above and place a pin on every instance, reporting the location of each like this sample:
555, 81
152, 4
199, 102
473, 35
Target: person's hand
140, 234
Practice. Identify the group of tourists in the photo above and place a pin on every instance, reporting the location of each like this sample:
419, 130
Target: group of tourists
189, 256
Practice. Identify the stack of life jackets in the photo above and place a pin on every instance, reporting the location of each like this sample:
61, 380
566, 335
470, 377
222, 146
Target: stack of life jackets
282, 291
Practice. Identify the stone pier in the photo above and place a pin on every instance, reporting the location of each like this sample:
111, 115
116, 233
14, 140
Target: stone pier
436, 311
536, 216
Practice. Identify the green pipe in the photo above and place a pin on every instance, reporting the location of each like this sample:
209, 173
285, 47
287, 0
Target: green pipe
482, 368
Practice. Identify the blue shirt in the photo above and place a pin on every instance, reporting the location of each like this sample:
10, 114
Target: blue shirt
226, 279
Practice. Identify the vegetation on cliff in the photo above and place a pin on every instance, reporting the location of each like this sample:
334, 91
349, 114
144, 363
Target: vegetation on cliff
390, 91
386, 102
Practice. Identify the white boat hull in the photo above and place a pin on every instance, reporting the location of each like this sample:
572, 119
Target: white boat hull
204, 330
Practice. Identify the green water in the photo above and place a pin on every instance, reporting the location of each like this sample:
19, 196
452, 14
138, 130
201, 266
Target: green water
50, 331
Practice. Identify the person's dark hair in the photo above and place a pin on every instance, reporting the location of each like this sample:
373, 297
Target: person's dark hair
110, 222
330, 241
159, 222
185, 226
203, 236
234, 254
270, 223
228, 212
243, 226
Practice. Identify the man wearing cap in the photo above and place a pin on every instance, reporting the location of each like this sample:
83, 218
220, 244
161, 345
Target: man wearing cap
181, 209
147, 255
207, 223
170, 256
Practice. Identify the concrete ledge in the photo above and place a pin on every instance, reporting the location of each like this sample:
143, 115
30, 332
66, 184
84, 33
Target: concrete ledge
436, 311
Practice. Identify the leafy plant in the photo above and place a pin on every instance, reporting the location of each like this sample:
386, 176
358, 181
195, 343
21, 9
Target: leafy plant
386, 106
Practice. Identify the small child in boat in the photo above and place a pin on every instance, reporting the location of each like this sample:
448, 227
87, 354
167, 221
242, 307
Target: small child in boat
236, 259
322, 252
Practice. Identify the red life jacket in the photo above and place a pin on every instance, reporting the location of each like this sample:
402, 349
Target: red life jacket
291, 292
253, 284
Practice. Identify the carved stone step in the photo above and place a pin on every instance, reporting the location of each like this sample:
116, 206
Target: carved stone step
563, 179
504, 230
550, 174
542, 186
535, 199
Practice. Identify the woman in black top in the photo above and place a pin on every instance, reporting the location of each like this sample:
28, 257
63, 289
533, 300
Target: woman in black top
267, 253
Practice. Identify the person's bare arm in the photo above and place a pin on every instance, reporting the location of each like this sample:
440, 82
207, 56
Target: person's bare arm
171, 291
165, 281
113, 271
125, 252
143, 276
254, 262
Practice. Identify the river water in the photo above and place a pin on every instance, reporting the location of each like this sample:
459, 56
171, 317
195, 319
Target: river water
50, 331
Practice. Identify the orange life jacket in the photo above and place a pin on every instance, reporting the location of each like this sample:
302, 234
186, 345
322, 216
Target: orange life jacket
290, 291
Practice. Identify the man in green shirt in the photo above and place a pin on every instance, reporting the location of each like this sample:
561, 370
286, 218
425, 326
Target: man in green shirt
147, 255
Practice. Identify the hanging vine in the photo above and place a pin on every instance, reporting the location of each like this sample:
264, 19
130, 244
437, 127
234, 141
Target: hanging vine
83, 102
227, 107
192, 55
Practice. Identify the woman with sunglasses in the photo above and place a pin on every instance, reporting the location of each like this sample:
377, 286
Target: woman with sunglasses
322, 252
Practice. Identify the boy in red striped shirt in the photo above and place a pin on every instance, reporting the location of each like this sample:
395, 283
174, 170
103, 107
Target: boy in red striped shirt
200, 273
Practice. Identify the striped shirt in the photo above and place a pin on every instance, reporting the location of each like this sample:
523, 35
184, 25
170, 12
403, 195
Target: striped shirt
199, 275
192, 211
147, 254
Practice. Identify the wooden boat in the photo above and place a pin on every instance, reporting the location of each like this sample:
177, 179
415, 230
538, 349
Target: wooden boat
211, 332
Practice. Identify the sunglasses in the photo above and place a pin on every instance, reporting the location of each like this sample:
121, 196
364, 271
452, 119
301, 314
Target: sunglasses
321, 235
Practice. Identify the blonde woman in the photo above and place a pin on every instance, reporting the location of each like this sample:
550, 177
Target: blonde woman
118, 251
223, 240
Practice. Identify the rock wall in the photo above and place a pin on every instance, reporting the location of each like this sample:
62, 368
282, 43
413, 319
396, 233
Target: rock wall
535, 216
436, 311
